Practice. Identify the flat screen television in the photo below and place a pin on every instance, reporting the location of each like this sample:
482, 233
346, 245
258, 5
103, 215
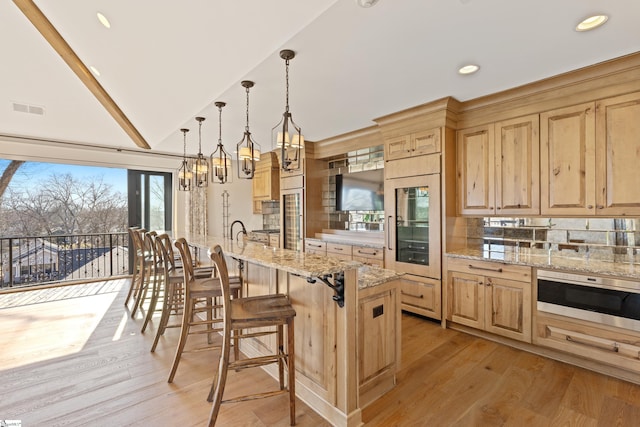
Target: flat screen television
360, 191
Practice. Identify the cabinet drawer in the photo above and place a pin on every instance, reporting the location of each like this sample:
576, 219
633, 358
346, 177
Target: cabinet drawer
315, 247
493, 269
339, 249
369, 256
619, 349
372, 253
421, 296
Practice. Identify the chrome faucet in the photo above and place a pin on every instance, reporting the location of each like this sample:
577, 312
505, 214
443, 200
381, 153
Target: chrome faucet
244, 230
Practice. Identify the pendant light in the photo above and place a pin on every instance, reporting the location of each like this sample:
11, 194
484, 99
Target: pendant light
220, 160
200, 165
289, 144
184, 173
248, 151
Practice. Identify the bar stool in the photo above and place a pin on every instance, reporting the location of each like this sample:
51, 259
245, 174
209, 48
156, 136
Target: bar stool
148, 273
253, 312
171, 289
199, 296
141, 261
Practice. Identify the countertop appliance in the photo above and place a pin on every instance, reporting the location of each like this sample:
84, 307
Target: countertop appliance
602, 300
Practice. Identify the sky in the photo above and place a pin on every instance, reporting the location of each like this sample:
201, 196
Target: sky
31, 174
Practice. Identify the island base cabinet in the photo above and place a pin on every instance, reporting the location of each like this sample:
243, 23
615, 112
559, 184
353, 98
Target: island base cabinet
378, 340
421, 295
596, 342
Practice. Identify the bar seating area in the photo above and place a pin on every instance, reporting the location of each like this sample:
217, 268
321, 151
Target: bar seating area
209, 302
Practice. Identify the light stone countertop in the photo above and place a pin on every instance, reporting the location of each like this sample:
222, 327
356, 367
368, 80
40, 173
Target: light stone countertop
369, 276
307, 265
300, 263
619, 265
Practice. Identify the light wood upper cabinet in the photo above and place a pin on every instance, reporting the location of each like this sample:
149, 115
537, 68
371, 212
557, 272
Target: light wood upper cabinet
266, 181
498, 168
517, 158
618, 155
476, 170
589, 158
567, 152
415, 144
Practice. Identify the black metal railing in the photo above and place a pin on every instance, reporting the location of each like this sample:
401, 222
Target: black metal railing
36, 260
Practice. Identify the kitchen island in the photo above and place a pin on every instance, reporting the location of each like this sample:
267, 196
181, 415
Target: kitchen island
347, 327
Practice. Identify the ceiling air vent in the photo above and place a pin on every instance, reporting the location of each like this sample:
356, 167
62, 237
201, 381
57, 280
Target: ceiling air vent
29, 109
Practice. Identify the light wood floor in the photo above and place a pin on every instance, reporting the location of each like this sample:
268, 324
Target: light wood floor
82, 361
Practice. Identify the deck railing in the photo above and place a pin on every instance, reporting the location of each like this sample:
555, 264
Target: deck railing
36, 260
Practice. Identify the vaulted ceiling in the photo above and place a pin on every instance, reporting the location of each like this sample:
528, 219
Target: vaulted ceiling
165, 62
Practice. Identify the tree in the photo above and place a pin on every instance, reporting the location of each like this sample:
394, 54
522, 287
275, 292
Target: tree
7, 175
64, 204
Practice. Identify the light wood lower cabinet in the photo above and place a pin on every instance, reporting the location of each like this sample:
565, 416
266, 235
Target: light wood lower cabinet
588, 340
490, 296
379, 340
421, 295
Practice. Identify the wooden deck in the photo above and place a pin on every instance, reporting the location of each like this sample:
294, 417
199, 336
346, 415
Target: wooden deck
75, 357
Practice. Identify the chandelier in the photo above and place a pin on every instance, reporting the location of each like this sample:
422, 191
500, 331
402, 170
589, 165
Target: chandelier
184, 173
200, 165
248, 151
288, 143
220, 160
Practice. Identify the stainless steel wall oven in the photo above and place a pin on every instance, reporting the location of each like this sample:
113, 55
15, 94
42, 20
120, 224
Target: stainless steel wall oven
601, 300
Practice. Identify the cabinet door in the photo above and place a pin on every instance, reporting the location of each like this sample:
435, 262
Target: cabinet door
517, 157
426, 142
508, 308
476, 171
260, 190
466, 299
377, 326
397, 148
618, 155
567, 161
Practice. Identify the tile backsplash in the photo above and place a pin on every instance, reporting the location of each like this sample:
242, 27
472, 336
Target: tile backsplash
271, 215
592, 237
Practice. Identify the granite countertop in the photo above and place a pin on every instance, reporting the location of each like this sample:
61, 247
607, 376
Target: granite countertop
617, 265
300, 263
369, 276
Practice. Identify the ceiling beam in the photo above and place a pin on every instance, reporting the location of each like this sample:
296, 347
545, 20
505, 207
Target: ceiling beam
53, 37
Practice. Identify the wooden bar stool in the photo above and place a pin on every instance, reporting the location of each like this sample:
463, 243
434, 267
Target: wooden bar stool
199, 296
148, 275
246, 313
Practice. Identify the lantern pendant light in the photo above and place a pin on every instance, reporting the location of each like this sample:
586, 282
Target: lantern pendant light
286, 134
200, 165
220, 160
184, 173
248, 151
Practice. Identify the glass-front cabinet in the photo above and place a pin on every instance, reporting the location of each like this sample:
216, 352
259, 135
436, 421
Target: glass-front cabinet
412, 207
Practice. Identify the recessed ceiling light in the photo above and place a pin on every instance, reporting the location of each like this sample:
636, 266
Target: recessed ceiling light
94, 70
103, 20
366, 3
469, 69
592, 22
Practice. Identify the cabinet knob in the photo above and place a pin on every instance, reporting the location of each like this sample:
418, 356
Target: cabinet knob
589, 206
600, 207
